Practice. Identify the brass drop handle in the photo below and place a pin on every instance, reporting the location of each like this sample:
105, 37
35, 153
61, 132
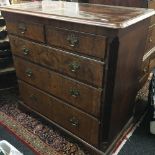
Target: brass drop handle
33, 97
74, 121
74, 93
150, 39
25, 51
73, 40
74, 66
29, 73
22, 28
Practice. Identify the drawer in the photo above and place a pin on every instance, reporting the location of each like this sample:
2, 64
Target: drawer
78, 94
77, 122
81, 68
88, 44
151, 39
33, 31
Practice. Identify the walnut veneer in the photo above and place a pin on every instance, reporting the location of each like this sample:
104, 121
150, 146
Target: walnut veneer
78, 64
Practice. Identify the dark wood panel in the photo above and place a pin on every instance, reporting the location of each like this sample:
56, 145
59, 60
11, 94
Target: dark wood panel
26, 29
68, 117
150, 39
82, 68
77, 42
129, 61
75, 93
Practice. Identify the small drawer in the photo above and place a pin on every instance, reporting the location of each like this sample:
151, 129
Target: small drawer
78, 67
72, 119
78, 94
88, 44
33, 31
150, 39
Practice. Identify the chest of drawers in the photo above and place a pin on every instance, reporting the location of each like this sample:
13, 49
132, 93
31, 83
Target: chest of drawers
78, 65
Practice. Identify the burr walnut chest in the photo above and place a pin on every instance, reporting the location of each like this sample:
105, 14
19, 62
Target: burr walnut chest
78, 64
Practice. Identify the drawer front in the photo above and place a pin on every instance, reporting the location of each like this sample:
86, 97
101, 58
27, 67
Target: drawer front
80, 95
81, 68
151, 38
77, 42
77, 122
29, 30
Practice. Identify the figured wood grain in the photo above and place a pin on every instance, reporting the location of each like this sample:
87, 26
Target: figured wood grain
89, 71
60, 86
87, 14
86, 44
30, 30
130, 3
61, 113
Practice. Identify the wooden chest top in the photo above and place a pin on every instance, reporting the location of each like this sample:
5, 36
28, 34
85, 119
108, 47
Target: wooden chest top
90, 14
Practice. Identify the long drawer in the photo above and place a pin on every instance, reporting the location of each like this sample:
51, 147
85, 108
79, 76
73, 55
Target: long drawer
81, 68
77, 122
88, 44
78, 94
26, 29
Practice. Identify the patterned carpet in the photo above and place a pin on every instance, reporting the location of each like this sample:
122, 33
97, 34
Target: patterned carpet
34, 131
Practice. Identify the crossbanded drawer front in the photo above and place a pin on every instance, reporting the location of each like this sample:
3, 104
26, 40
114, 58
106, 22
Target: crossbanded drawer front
77, 122
88, 44
33, 31
78, 67
78, 94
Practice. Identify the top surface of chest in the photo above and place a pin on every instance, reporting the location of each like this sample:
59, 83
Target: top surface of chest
90, 14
